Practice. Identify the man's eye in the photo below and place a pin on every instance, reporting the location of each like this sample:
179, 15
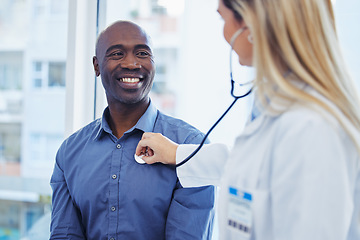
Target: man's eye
143, 54
117, 54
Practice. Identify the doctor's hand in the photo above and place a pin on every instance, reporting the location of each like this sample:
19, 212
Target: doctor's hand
154, 147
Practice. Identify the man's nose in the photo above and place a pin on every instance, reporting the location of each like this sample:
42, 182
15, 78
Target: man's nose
130, 62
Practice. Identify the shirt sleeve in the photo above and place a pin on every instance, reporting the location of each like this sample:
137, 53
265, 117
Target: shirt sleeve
205, 167
311, 190
65, 218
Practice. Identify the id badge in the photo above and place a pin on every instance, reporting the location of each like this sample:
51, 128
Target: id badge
239, 218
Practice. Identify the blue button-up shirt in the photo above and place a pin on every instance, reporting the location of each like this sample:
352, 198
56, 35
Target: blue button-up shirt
101, 192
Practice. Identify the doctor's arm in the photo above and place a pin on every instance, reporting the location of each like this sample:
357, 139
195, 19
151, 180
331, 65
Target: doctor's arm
65, 217
204, 168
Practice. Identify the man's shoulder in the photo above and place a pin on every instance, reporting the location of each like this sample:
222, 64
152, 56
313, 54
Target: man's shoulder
177, 129
76, 141
176, 123
89, 130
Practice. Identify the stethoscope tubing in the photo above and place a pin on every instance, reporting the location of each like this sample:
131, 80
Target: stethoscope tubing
215, 124
236, 97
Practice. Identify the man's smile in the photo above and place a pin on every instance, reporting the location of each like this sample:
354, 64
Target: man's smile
129, 80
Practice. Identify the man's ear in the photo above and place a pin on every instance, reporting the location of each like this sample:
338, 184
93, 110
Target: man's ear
96, 66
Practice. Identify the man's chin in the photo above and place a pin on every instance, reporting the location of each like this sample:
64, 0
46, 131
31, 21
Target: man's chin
135, 101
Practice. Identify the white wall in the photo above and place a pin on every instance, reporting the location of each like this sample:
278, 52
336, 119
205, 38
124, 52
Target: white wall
204, 86
347, 14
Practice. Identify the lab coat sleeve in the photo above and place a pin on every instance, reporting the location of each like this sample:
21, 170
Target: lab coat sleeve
311, 192
65, 218
205, 168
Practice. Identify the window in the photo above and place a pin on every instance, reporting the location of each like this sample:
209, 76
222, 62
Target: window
37, 74
10, 143
33, 47
10, 220
56, 74
43, 146
48, 74
157, 9
10, 70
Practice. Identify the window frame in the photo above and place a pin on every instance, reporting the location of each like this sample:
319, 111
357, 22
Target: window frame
81, 82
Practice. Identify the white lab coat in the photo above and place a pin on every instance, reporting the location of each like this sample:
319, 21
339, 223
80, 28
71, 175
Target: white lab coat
301, 169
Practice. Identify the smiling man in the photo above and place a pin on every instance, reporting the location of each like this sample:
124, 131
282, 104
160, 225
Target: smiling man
99, 190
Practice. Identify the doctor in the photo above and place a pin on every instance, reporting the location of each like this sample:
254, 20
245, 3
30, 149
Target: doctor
294, 172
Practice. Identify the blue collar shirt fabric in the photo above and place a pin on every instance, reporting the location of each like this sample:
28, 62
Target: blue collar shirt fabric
100, 192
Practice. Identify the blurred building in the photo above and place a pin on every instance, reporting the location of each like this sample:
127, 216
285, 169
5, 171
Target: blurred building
32, 95
33, 47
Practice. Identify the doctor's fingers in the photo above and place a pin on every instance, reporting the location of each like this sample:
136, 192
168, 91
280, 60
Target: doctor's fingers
145, 143
154, 141
150, 159
148, 154
141, 148
160, 148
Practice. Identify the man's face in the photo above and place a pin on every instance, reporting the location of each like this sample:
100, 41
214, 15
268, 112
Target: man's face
125, 62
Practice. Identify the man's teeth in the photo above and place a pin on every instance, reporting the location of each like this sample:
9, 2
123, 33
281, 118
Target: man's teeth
130, 80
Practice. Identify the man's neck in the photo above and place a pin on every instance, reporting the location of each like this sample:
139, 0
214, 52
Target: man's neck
122, 117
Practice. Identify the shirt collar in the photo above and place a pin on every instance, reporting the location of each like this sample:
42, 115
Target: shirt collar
104, 126
146, 123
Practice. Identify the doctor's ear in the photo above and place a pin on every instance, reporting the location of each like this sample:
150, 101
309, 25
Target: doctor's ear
96, 66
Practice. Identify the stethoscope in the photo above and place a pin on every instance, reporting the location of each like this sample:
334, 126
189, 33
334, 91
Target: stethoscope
236, 97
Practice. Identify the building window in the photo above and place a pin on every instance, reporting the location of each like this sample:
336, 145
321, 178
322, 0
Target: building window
10, 216
56, 74
37, 74
48, 74
10, 142
10, 77
37, 66
44, 146
157, 9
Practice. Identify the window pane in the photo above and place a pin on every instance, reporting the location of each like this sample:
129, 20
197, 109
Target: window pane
9, 143
32, 56
37, 66
11, 70
37, 74
10, 220
37, 83
56, 74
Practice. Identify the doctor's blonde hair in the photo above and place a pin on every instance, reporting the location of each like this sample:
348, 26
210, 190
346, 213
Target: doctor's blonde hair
299, 36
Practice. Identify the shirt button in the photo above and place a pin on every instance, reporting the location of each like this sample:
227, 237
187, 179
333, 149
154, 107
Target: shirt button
113, 209
113, 176
118, 146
